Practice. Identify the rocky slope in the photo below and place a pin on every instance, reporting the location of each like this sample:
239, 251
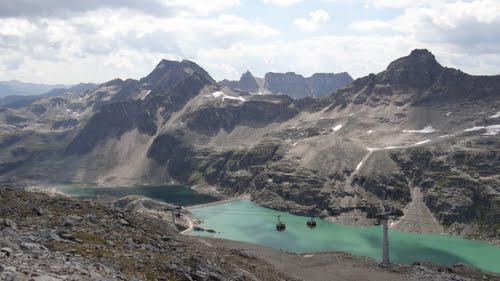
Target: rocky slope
291, 84
415, 128
56, 238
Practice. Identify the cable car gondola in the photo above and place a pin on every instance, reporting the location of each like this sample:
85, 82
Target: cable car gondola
311, 223
280, 226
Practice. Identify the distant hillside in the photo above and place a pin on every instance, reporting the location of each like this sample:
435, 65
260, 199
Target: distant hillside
18, 101
18, 88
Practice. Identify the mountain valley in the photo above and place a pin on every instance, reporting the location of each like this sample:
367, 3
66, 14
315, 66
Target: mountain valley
418, 138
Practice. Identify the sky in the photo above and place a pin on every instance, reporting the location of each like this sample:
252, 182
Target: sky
72, 41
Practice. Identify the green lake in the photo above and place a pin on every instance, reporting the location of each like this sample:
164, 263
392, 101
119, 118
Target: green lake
175, 194
248, 222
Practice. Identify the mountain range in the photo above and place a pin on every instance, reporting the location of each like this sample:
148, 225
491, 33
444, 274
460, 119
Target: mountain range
18, 88
18, 97
418, 138
291, 84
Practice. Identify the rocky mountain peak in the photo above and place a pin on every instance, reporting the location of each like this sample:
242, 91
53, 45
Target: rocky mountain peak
420, 69
114, 82
247, 76
174, 71
248, 82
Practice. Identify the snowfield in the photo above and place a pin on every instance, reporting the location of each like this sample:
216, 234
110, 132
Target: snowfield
492, 130
426, 130
219, 94
146, 94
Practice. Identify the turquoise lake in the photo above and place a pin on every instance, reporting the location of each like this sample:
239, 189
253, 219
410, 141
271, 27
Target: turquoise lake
248, 222
175, 194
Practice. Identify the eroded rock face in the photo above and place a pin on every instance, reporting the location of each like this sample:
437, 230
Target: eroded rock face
171, 150
323, 84
255, 113
111, 122
462, 195
289, 83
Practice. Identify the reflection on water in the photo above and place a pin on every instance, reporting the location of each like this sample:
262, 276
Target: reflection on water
248, 222
175, 194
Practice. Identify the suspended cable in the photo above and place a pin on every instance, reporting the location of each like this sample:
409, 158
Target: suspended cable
274, 215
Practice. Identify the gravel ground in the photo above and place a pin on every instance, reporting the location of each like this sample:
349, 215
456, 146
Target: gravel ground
335, 266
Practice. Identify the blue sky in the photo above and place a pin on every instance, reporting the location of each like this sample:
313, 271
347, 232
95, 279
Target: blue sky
342, 13
73, 41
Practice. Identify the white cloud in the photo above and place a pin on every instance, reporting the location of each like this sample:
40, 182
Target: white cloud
101, 40
68, 8
357, 55
82, 43
194, 6
283, 3
401, 3
369, 25
467, 27
316, 19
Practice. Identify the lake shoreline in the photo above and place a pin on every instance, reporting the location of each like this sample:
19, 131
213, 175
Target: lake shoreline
235, 220
220, 202
245, 197
221, 199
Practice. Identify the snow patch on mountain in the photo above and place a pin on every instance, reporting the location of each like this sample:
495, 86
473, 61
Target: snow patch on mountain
422, 142
491, 130
426, 130
359, 165
219, 94
496, 115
